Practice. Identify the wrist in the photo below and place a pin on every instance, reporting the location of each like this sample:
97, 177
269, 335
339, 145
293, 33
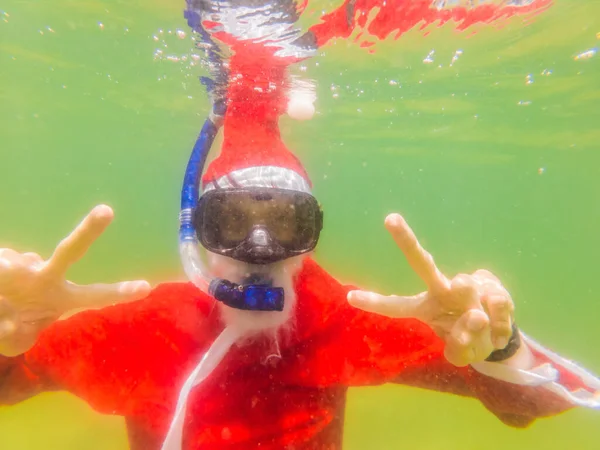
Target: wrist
523, 359
511, 349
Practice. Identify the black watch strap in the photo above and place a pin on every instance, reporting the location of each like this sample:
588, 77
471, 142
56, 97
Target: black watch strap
514, 344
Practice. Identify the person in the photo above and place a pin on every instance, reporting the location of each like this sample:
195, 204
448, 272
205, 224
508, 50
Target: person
260, 347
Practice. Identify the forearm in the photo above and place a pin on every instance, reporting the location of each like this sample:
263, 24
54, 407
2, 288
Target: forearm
522, 359
546, 376
18, 382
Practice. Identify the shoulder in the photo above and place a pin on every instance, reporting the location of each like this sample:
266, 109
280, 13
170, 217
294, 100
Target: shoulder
313, 279
167, 302
321, 297
177, 312
127, 351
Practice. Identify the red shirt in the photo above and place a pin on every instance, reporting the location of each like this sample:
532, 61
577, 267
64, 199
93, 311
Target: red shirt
132, 360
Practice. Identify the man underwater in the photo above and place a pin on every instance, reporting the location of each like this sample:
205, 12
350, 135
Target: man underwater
269, 364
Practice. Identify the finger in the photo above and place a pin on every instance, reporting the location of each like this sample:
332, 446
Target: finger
419, 259
8, 254
100, 295
14, 267
74, 246
8, 257
468, 340
5, 271
499, 306
390, 306
500, 310
489, 286
483, 275
32, 259
465, 294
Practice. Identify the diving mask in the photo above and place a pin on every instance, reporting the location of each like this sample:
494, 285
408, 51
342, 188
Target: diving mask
258, 225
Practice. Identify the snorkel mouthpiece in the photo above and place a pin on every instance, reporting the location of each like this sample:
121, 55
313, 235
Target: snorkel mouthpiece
255, 297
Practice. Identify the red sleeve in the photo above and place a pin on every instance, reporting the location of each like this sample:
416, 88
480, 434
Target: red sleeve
18, 381
123, 358
514, 404
356, 348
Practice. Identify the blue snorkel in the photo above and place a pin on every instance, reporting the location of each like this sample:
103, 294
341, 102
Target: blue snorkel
253, 297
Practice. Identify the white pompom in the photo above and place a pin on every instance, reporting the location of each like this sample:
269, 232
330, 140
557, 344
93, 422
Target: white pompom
300, 106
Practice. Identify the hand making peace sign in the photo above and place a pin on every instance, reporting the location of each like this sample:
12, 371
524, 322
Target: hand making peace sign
473, 314
34, 293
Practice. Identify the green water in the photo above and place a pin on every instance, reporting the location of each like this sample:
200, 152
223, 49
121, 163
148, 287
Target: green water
87, 116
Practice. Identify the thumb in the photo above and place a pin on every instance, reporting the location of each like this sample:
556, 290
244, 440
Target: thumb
100, 295
394, 306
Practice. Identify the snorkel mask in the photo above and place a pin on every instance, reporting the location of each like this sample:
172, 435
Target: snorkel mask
258, 225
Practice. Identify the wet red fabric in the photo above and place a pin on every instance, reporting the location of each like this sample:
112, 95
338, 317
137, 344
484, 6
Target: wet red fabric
256, 98
257, 84
132, 359
380, 19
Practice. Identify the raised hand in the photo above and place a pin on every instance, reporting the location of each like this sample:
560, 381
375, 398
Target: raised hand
473, 314
34, 293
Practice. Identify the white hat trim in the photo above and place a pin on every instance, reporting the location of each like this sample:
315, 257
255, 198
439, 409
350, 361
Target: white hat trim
261, 176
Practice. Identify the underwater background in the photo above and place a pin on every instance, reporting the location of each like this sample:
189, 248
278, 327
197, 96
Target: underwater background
487, 143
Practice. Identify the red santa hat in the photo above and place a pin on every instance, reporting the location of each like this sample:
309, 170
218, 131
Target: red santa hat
253, 154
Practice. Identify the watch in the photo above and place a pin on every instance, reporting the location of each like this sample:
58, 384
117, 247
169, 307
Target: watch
514, 344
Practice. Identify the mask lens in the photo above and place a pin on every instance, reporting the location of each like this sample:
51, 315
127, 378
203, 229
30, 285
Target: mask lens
224, 225
224, 219
293, 224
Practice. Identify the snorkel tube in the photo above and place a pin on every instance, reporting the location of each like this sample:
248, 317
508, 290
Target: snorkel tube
188, 243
